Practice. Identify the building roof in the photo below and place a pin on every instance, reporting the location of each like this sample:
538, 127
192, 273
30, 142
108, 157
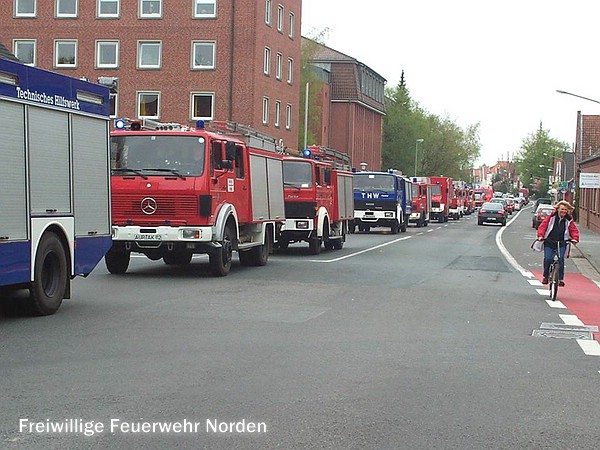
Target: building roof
6, 54
351, 80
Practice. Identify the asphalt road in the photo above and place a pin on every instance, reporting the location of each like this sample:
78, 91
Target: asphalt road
420, 340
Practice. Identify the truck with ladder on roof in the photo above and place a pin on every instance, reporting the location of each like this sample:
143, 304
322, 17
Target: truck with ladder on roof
318, 199
179, 191
54, 182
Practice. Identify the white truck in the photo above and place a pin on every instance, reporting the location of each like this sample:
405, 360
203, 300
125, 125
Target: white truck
54, 182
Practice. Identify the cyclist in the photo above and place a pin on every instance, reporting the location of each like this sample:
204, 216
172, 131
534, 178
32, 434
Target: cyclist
557, 228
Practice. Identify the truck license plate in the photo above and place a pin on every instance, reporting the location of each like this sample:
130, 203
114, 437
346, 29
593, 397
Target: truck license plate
148, 237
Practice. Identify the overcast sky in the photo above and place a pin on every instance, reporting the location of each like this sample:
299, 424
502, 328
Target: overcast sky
496, 63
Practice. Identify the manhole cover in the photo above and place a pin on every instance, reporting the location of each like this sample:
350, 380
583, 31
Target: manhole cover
564, 334
564, 326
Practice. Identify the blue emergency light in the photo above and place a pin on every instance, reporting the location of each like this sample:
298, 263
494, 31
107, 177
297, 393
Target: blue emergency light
306, 153
120, 124
199, 124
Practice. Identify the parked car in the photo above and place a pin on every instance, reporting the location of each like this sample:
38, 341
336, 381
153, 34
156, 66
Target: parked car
510, 205
542, 201
491, 212
540, 214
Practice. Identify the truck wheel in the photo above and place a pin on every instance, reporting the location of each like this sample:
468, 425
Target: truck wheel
339, 243
403, 226
117, 262
257, 256
177, 259
395, 227
283, 243
50, 276
220, 259
314, 244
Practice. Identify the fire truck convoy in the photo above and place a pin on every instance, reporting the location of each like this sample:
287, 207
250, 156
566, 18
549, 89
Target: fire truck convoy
54, 193
178, 191
382, 199
318, 199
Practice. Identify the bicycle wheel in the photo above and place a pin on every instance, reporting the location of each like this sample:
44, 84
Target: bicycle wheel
553, 281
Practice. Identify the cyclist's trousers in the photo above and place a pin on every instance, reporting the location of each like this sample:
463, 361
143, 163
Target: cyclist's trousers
548, 254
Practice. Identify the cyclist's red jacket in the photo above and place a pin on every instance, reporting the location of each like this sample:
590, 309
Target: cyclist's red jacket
571, 230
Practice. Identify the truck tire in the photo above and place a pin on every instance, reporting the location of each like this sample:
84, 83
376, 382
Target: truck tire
177, 258
395, 227
117, 262
403, 225
339, 243
50, 276
220, 259
257, 256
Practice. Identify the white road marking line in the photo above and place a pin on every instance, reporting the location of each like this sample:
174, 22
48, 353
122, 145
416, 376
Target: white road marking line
543, 291
535, 282
556, 304
590, 348
361, 252
419, 234
570, 319
429, 231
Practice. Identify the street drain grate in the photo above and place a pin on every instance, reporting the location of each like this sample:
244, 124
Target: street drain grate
564, 326
564, 334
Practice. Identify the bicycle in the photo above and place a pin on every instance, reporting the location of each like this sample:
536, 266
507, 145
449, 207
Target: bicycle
553, 281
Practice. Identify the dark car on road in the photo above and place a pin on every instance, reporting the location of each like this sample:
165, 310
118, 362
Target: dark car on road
542, 201
491, 212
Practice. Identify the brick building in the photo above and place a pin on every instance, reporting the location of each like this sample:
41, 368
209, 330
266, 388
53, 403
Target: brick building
352, 107
176, 60
587, 154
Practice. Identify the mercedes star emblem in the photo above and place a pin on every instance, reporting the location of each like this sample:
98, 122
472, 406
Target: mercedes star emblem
149, 205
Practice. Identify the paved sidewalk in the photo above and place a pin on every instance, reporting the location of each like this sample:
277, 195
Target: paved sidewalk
589, 249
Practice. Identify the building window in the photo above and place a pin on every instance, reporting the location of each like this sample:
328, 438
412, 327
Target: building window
149, 53
277, 113
148, 105
288, 117
265, 114
205, 8
107, 54
279, 66
202, 106
292, 25
150, 9
25, 8
112, 100
268, 12
108, 8
203, 55
290, 71
65, 54
24, 49
280, 18
66, 8
267, 64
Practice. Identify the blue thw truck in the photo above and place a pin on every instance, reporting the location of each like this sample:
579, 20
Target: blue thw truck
382, 199
54, 182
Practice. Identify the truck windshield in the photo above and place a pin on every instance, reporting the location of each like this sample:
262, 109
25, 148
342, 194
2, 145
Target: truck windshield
177, 154
436, 190
415, 191
297, 173
373, 182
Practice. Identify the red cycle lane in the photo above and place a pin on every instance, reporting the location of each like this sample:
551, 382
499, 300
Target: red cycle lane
581, 296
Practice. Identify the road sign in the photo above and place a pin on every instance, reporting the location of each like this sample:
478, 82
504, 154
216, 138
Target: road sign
589, 180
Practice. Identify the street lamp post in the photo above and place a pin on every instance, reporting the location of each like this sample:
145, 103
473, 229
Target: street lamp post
419, 141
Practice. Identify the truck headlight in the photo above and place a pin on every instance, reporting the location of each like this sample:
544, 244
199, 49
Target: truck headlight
191, 234
389, 214
302, 224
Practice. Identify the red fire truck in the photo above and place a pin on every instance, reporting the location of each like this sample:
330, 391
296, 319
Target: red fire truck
421, 201
482, 195
458, 207
442, 193
178, 191
318, 199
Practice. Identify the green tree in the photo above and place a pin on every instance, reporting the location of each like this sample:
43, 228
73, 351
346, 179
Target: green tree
309, 78
534, 161
446, 150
